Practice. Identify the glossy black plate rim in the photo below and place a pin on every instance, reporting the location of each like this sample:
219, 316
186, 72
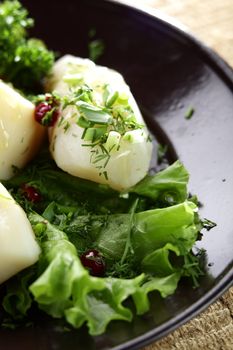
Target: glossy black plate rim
226, 73
194, 310
220, 65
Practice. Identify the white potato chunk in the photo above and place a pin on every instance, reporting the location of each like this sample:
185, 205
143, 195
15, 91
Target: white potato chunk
18, 247
129, 153
20, 134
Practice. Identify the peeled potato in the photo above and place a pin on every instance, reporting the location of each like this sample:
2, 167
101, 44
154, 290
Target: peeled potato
18, 247
20, 134
129, 161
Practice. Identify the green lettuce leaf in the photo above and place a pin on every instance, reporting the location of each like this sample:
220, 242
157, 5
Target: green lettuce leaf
17, 300
148, 230
169, 185
65, 288
99, 308
158, 263
154, 228
165, 285
145, 251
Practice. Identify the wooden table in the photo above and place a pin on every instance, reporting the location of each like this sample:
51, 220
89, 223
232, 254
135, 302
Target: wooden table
212, 22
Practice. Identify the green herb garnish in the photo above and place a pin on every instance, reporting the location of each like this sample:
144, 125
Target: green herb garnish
23, 62
161, 152
96, 49
142, 253
189, 113
208, 224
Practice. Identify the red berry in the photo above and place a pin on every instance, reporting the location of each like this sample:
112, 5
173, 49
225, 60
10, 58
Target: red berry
94, 261
31, 193
40, 114
40, 111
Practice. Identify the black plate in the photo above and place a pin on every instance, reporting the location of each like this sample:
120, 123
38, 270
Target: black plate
168, 71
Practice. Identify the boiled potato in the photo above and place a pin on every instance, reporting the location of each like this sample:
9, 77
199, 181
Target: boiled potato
129, 155
20, 134
18, 247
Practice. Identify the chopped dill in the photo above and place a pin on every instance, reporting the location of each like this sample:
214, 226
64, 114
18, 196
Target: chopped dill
161, 152
189, 113
208, 224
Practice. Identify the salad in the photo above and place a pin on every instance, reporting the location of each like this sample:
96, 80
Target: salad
84, 225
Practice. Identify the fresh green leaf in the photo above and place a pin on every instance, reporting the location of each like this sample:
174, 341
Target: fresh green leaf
169, 185
94, 114
154, 228
149, 230
164, 285
18, 300
65, 287
101, 307
157, 263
